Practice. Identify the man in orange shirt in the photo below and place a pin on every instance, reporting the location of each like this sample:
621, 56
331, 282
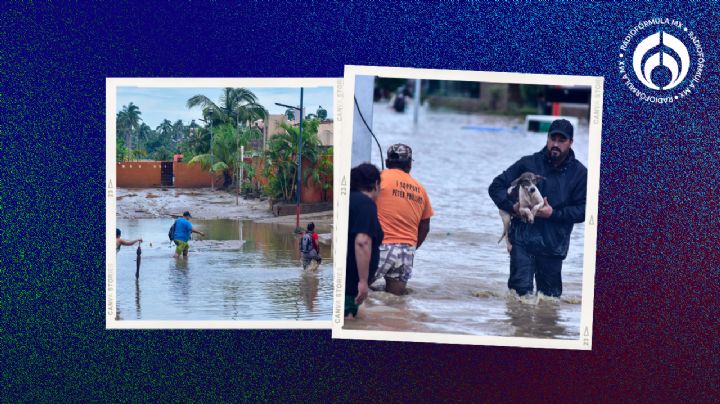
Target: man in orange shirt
404, 211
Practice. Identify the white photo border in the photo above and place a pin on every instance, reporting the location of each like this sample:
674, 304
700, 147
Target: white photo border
111, 86
342, 167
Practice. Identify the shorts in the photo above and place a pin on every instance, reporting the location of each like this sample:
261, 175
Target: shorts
350, 306
182, 247
312, 255
396, 262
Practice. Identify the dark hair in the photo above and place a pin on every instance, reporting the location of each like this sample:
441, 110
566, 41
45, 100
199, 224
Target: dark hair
311, 226
401, 164
364, 177
117, 232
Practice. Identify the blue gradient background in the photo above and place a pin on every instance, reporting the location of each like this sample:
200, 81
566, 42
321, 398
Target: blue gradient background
657, 285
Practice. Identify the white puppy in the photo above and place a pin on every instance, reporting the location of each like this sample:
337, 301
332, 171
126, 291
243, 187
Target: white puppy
523, 191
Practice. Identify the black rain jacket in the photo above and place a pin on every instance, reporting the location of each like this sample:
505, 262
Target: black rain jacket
565, 188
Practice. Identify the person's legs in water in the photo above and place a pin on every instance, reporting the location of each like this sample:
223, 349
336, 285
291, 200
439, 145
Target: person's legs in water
522, 270
182, 247
395, 286
396, 265
548, 275
350, 307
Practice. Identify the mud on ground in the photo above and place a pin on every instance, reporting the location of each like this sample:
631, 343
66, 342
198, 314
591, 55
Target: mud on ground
204, 203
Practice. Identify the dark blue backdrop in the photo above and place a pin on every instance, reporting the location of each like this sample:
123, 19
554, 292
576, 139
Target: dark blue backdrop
656, 288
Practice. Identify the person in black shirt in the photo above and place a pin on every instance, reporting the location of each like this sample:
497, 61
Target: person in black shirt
364, 235
538, 249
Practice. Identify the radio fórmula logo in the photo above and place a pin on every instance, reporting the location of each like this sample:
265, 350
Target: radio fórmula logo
661, 60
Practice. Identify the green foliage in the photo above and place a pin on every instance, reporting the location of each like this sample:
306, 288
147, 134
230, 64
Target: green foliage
121, 152
128, 123
237, 106
281, 159
226, 145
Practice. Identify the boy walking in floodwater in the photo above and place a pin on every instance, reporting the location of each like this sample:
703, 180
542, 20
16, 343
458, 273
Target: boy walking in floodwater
183, 230
309, 247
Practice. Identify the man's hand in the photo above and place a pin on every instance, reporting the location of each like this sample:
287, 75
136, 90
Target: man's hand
516, 208
363, 245
362, 292
546, 211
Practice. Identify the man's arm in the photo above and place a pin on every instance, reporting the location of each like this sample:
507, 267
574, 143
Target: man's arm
423, 230
198, 232
498, 188
575, 211
363, 244
316, 243
128, 242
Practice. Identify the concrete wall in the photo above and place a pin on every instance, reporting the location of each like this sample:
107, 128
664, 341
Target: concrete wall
187, 176
325, 132
309, 193
145, 174
312, 191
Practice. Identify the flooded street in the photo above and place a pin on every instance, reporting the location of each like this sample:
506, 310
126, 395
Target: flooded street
459, 282
241, 270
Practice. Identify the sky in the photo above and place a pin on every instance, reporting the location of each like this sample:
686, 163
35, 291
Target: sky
157, 104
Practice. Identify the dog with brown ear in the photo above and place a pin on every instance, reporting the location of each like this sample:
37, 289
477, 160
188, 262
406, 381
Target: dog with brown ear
523, 190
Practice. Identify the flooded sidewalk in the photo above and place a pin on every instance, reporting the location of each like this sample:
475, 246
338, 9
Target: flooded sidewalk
459, 282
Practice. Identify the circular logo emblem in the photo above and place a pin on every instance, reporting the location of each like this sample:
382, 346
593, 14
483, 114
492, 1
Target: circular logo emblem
661, 60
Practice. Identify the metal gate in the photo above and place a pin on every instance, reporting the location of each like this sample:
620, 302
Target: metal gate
166, 174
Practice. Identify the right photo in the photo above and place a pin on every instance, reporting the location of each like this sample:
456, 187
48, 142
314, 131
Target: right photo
469, 207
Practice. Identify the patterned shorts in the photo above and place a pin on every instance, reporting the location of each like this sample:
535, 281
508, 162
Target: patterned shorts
396, 262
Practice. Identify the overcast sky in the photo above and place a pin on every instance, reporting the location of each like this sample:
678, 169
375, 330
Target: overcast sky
157, 104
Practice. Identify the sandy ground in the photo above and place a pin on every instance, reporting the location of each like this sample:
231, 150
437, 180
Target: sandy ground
204, 203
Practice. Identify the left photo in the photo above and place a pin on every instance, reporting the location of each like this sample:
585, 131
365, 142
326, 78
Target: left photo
219, 196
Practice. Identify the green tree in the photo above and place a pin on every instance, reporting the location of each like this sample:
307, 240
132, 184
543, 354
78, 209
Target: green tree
237, 106
121, 152
180, 131
165, 130
281, 159
225, 154
128, 121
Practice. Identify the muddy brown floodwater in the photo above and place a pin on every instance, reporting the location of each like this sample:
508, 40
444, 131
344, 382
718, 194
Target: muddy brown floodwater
459, 282
241, 270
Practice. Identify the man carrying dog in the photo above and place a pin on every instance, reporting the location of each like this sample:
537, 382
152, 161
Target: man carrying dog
539, 249
404, 211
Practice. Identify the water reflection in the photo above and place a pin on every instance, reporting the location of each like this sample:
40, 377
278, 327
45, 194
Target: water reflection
137, 298
536, 319
460, 272
240, 271
309, 283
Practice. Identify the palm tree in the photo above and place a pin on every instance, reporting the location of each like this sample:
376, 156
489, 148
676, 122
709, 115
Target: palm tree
281, 158
179, 131
237, 106
144, 134
129, 120
225, 154
165, 129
